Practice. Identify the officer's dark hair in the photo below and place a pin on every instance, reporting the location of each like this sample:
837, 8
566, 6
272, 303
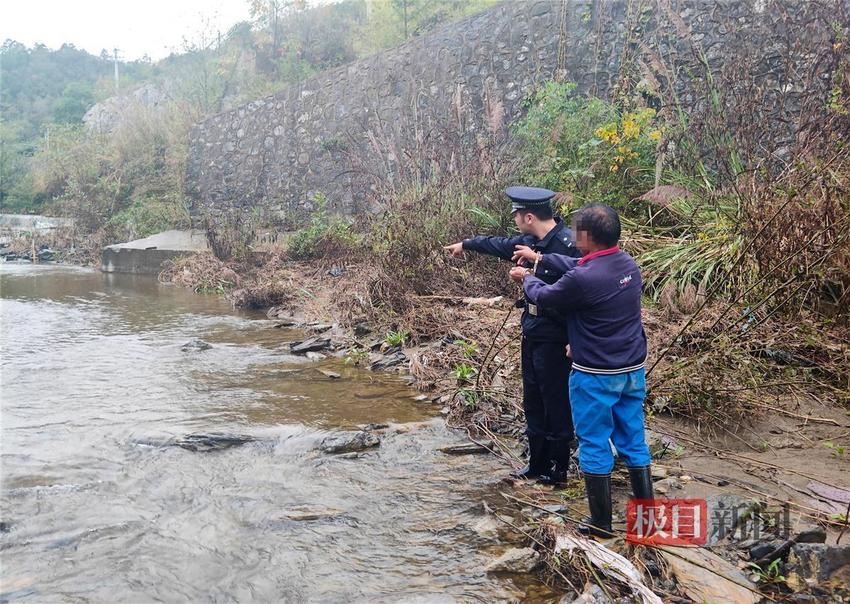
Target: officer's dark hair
601, 221
543, 212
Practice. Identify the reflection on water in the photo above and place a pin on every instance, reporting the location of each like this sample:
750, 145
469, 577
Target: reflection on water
94, 509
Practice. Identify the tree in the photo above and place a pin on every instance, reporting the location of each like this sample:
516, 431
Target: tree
76, 99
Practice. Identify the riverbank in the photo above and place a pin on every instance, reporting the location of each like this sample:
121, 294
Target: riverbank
767, 446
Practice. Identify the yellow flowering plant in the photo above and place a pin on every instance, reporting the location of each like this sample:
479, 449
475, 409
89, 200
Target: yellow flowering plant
588, 146
628, 137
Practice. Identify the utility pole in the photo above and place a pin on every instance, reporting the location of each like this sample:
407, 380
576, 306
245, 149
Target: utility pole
404, 5
115, 51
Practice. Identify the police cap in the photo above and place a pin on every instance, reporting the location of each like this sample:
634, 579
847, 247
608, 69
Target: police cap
528, 198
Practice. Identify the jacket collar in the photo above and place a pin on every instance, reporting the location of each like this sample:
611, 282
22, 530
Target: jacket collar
597, 253
559, 226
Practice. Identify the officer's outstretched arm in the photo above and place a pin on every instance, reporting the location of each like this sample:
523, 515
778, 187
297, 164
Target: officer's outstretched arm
501, 247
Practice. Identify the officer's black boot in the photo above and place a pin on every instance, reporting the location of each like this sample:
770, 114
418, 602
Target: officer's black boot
538, 459
559, 453
598, 524
641, 479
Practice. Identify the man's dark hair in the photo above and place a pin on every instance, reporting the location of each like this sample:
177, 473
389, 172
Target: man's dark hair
544, 212
601, 221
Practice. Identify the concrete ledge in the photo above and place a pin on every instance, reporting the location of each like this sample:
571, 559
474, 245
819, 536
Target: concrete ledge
140, 262
146, 256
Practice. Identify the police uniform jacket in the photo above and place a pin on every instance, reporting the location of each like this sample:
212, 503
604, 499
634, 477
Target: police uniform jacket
549, 324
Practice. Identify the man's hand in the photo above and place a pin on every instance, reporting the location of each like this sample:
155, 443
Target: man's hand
455, 250
523, 252
518, 273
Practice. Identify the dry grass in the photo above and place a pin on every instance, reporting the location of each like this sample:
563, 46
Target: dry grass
202, 273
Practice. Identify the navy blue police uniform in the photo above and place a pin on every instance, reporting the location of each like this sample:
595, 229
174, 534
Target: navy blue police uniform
545, 365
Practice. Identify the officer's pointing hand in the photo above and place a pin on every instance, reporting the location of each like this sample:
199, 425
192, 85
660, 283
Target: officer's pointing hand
523, 252
455, 249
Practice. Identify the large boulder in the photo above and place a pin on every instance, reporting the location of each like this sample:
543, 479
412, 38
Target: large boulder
116, 111
349, 442
309, 345
815, 563
213, 441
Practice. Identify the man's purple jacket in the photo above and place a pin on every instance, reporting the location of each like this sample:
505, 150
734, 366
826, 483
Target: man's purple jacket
600, 293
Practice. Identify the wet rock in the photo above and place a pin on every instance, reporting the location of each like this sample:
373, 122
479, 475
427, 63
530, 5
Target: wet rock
315, 356
516, 560
658, 472
556, 508
349, 442
420, 398
214, 441
486, 527
814, 563
468, 448
282, 314
375, 426
592, 594
386, 361
667, 485
331, 374
362, 329
763, 549
309, 345
319, 327
195, 346
289, 322
703, 576
428, 598
305, 515
782, 549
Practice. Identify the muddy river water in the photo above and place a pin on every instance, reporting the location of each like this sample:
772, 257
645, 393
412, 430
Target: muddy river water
98, 507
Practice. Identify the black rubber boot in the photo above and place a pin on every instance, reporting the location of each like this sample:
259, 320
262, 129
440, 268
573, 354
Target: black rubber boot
598, 524
559, 453
538, 459
641, 479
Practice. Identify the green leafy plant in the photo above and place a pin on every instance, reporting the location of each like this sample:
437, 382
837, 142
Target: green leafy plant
469, 396
770, 575
837, 450
396, 338
463, 372
596, 150
469, 349
356, 356
328, 235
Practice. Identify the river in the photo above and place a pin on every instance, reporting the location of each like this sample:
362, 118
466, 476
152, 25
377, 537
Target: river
97, 507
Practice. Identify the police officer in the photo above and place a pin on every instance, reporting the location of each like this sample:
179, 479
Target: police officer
601, 292
545, 365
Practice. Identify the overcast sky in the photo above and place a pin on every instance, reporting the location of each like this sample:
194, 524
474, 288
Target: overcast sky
135, 27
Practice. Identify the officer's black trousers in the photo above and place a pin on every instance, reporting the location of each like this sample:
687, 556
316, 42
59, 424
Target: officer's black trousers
546, 389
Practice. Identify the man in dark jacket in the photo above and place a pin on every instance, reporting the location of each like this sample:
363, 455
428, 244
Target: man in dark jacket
600, 294
545, 365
